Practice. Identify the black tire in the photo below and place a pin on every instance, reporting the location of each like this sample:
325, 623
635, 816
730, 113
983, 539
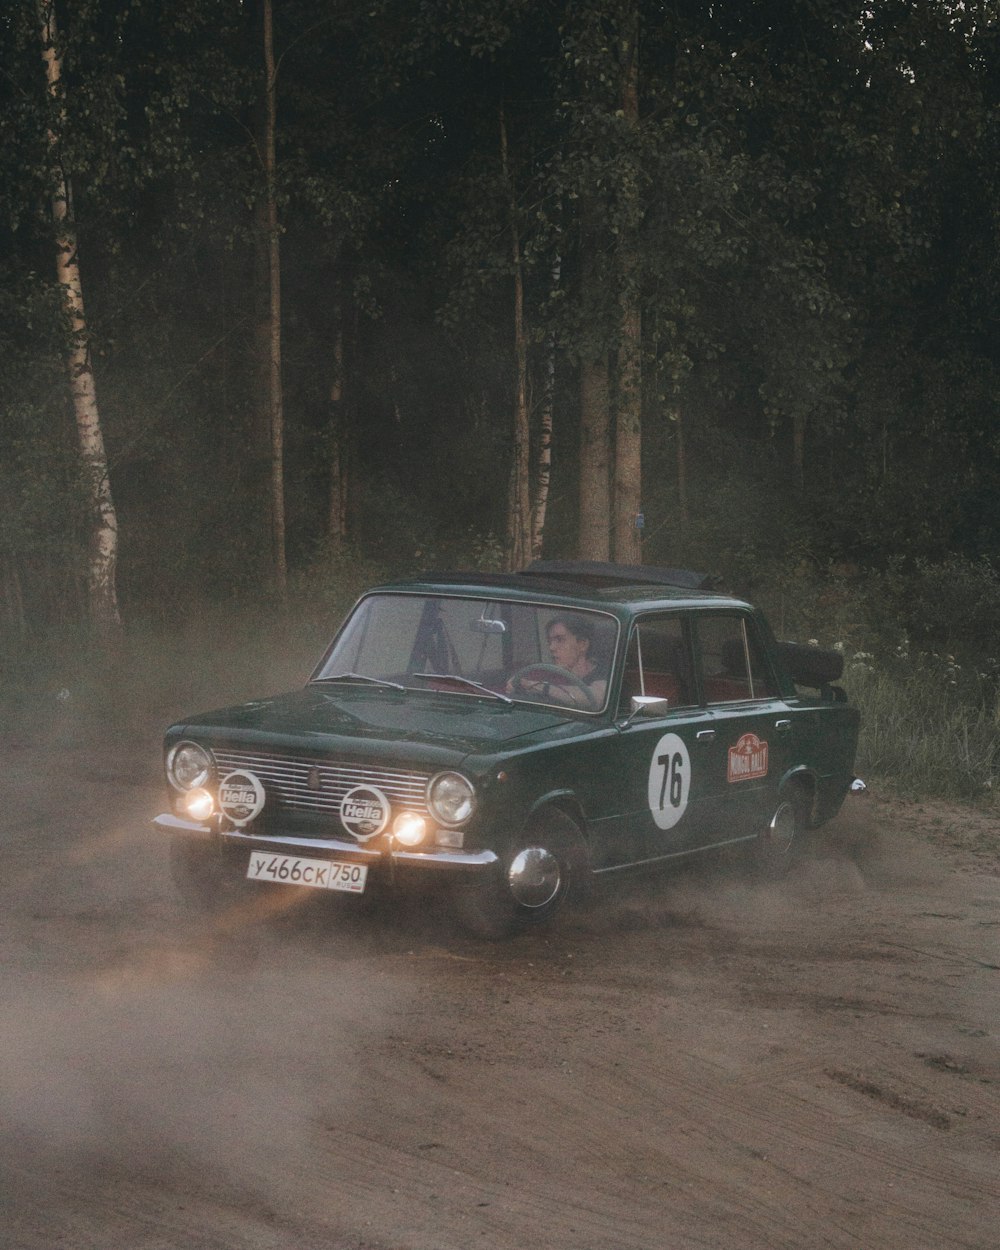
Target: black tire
529, 885
783, 836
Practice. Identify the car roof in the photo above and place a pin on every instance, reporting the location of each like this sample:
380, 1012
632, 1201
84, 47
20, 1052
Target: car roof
585, 583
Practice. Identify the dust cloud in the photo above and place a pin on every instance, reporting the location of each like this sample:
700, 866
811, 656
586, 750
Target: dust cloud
654, 1069
139, 1038
222, 1051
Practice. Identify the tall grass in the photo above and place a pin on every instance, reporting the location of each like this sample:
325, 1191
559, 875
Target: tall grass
920, 645
927, 733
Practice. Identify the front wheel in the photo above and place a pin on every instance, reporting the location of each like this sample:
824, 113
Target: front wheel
530, 883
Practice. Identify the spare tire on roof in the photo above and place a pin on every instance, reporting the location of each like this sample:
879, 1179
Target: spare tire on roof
811, 666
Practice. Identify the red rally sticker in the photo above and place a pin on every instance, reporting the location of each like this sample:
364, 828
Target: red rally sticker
748, 759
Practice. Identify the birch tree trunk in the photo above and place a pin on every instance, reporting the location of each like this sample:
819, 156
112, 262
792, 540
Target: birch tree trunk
518, 546
543, 466
595, 459
626, 534
274, 393
595, 414
102, 594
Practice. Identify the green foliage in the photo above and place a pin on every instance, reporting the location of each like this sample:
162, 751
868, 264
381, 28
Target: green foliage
812, 193
953, 606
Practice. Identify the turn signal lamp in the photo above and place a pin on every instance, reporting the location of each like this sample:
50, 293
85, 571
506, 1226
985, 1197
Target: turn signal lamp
452, 838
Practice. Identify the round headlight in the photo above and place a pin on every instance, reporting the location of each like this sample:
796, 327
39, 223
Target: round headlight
188, 765
451, 798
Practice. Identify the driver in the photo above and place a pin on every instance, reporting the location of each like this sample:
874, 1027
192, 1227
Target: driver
570, 640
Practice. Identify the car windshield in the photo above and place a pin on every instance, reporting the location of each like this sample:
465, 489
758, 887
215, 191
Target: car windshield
477, 647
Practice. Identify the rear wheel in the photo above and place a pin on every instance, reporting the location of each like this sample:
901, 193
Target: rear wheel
783, 835
530, 883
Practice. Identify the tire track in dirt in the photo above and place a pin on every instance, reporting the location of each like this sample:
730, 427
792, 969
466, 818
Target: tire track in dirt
650, 1073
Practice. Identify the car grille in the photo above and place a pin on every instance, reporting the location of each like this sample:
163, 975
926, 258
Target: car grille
286, 779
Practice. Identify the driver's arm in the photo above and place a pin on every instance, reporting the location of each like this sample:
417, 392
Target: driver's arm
556, 692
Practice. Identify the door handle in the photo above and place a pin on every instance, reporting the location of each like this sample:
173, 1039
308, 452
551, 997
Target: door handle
783, 725
705, 735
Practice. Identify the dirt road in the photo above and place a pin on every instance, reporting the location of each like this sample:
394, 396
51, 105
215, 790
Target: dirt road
698, 1061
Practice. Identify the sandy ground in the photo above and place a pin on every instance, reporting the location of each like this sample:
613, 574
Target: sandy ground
694, 1061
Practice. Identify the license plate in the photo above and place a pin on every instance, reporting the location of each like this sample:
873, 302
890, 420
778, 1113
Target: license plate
321, 874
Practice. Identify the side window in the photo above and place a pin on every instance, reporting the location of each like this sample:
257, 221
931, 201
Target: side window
658, 662
733, 664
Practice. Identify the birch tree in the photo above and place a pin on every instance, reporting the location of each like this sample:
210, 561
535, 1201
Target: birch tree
546, 422
103, 609
595, 399
626, 534
518, 546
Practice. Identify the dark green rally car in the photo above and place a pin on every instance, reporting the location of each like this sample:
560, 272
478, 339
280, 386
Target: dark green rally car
507, 737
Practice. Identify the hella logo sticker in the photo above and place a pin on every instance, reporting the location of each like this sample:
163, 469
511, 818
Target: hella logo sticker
241, 796
364, 812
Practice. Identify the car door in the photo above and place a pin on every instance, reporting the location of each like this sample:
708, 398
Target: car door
748, 739
666, 758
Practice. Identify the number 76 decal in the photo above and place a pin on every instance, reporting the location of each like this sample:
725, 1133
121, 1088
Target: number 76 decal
669, 781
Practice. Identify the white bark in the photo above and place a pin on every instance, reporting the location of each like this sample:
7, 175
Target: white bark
518, 546
103, 553
626, 535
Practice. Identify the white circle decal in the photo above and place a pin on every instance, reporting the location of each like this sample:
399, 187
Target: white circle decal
669, 781
364, 812
241, 796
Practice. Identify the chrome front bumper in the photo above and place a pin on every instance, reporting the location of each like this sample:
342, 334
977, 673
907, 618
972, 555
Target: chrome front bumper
438, 859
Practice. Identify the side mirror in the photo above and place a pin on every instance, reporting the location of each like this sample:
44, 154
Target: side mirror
483, 625
649, 705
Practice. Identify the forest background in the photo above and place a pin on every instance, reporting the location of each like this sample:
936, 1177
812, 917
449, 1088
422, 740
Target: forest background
296, 295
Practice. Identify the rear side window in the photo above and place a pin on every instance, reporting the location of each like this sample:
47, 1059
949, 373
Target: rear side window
733, 662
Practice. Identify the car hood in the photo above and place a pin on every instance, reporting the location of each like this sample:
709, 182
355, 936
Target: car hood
426, 727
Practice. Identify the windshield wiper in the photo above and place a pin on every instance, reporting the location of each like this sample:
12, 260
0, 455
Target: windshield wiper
375, 681
466, 681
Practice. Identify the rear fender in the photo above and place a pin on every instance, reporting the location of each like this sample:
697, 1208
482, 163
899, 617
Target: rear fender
801, 780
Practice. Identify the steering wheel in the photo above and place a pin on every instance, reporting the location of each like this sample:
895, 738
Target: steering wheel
565, 678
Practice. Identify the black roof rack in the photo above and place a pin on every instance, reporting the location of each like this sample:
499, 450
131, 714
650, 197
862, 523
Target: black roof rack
600, 573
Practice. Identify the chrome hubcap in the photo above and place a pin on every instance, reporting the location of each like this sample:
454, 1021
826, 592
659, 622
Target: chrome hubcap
534, 876
781, 830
